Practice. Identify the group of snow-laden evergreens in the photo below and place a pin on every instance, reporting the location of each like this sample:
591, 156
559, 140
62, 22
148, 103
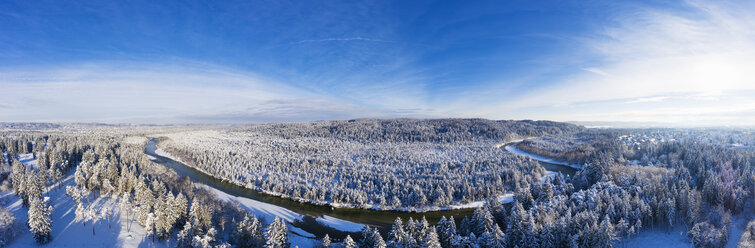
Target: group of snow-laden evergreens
149, 195
401, 164
631, 181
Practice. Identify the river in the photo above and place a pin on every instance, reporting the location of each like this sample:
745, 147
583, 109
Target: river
310, 212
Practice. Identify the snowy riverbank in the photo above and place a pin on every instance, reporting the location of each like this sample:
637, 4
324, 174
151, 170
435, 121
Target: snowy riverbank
267, 213
514, 149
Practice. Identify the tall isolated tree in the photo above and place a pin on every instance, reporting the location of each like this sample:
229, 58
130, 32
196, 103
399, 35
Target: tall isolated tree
39, 221
126, 207
105, 214
94, 216
81, 213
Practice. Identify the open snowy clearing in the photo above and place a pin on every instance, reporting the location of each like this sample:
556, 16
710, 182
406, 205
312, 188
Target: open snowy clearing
27, 159
659, 238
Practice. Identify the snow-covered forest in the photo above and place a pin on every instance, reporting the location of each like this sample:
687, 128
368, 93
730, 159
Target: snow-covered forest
632, 182
104, 182
67, 185
387, 164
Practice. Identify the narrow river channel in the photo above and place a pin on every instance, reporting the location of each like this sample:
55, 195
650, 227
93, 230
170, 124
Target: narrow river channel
377, 218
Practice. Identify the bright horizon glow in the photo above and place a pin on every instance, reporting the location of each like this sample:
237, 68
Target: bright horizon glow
688, 63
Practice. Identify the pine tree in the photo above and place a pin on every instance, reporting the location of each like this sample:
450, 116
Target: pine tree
398, 237
348, 242
325, 241
606, 233
622, 228
496, 238
144, 201
201, 215
126, 207
276, 234
431, 241
371, 238
39, 221
149, 226
515, 232
466, 226
33, 186
93, 216
249, 232
205, 240
105, 213
18, 178
163, 216
446, 231
482, 221
179, 207
185, 236
81, 213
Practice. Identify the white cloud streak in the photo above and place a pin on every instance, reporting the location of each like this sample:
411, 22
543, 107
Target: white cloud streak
158, 93
704, 51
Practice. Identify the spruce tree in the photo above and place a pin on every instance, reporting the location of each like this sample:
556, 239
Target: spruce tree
397, 237
348, 242
39, 221
371, 238
446, 231
325, 241
185, 236
276, 234
431, 241
248, 232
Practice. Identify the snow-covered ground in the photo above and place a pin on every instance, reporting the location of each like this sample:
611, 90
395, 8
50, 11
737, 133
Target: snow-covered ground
514, 149
69, 233
659, 238
738, 227
27, 159
340, 224
678, 238
267, 212
262, 210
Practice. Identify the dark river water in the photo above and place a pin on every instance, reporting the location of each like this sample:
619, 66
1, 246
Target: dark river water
377, 218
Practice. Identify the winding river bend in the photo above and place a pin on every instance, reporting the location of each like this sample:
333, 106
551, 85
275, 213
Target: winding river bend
377, 218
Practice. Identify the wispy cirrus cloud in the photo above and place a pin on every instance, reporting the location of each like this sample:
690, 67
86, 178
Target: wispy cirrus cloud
162, 93
654, 56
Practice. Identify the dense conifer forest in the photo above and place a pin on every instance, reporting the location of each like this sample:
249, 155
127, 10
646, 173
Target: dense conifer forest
631, 181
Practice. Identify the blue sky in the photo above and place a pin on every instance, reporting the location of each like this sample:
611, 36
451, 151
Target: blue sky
682, 63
